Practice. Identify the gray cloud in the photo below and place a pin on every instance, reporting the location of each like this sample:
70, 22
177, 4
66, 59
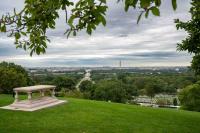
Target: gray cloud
152, 42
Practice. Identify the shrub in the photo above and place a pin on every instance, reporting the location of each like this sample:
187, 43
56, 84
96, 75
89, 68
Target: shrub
61, 93
112, 90
190, 97
12, 76
64, 82
86, 86
175, 102
163, 102
87, 95
74, 94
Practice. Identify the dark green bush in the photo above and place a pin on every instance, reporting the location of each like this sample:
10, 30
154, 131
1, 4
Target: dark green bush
65, 83
12, 76
190, 97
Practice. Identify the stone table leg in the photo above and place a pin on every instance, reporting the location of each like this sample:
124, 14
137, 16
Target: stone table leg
16, 96
29, 95
53, 93
42, 93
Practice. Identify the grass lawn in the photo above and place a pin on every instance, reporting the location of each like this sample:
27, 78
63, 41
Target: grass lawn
85, 116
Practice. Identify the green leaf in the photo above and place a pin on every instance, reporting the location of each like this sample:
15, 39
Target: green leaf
155, 11
68, 33
174, 4
89, 30
19, 23
32, 51
126, 8
103, 1
17, 35
3, 28
131, 3
74, 33
103, 20
145, 3
147, 13
24, 46
38, 50
23, 33
158, 2
139, 17
90, 2
71, 19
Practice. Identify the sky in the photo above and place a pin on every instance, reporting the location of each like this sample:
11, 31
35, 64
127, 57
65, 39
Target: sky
152, 42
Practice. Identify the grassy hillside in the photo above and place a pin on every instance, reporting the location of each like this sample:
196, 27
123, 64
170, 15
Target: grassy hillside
84, 116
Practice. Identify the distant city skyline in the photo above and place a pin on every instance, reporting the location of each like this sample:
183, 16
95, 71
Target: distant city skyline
151, 43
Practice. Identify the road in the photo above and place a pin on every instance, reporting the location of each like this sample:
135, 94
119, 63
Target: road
86, 77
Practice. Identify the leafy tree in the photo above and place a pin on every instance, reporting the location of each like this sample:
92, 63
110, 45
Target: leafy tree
198, 82
117, 94
64, 82
29, 26
150, 90
112, 90
155, 85
122, 77
43, 79
18, 68
86, 86
139, 83
196, 64
182, 83
12, 76
192, 42
190, 97
159, 85
170, 89
131, 90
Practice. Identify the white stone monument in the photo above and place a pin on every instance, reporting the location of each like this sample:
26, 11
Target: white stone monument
32, 104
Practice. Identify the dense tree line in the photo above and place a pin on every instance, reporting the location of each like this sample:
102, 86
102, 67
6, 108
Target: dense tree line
124, 86
12, 75
118, 87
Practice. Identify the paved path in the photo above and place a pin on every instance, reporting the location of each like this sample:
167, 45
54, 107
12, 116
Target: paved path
86, 77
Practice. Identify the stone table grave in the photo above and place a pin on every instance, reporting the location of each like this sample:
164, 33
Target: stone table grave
39, 102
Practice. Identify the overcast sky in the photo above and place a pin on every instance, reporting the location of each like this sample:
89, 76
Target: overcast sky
151, 43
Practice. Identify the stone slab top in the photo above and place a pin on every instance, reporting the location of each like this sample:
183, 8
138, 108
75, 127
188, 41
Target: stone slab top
34, 88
